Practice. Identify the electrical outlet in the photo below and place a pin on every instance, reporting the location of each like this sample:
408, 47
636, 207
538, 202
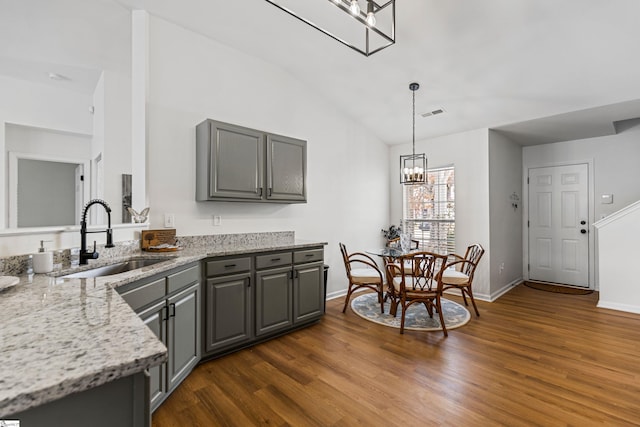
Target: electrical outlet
169, 220
217, 220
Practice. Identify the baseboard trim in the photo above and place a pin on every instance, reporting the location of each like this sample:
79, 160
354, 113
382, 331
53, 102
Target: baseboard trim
506, 288
479, 296
619, 307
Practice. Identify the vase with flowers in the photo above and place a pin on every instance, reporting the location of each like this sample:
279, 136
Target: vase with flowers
392, 233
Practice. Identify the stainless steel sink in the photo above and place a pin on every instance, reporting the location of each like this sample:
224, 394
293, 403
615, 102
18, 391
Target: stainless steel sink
109, 270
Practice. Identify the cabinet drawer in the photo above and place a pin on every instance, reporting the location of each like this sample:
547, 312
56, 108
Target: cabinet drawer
308, 256
145, 294
182, 279
273, 260
228, 266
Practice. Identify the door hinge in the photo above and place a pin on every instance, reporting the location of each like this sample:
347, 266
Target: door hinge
527, 180
528, 267
528, 224
81, 177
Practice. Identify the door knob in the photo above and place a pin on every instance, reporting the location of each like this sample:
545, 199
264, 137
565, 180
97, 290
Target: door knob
583, 222
583, 231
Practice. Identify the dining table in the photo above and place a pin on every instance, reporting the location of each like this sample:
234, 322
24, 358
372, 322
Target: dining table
390, 252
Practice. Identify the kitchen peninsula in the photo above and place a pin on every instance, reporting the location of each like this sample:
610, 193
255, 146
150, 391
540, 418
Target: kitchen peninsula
66, 337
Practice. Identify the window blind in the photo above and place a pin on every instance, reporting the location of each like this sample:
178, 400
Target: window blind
429, 211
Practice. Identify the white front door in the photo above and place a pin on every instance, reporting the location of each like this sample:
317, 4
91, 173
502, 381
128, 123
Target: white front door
559, 224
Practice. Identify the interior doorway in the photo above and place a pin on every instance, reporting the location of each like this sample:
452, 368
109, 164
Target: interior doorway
558, 224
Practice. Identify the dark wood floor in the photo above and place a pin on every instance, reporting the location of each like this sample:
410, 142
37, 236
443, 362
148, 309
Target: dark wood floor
532, 358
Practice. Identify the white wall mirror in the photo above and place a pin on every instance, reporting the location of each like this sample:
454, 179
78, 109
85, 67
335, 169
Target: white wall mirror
46, 191
65, 112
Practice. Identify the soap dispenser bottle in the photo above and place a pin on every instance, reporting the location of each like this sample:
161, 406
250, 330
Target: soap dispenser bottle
42, 260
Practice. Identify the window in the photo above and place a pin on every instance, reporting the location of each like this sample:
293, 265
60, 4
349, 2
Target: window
429, 211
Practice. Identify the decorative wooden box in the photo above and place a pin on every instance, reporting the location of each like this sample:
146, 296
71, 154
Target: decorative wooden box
151, 238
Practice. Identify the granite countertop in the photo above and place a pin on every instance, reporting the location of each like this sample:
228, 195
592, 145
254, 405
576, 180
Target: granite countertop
61, 336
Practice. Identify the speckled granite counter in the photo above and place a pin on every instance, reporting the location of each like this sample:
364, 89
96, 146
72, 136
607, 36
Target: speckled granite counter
60, 336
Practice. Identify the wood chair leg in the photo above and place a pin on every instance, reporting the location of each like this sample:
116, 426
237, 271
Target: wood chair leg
381, 299
393, 307
404, 312
464, 298
348, 297
429, 309
444, 327
473, 301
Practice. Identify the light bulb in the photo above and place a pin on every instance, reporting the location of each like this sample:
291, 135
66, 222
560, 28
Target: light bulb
371, 19
354, 8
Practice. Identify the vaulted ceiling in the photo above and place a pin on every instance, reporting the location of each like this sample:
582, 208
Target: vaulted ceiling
487, 63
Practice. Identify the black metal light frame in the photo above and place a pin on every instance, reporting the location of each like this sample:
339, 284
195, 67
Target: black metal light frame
413, 167
342, 5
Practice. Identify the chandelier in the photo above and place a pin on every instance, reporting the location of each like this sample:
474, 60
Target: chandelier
413, 167
365, 26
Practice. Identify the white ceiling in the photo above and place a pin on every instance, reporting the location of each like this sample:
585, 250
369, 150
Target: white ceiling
488, 63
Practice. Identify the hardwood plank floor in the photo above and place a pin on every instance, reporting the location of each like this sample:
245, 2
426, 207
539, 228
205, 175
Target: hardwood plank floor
531, 358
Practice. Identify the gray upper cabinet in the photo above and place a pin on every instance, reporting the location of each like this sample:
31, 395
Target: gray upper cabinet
234, 163
286, 168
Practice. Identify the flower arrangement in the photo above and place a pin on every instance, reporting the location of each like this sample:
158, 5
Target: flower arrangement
393, 232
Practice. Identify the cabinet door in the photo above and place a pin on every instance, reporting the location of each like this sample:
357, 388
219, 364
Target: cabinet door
183, 329
228, 316
273, 300
286, 168
154, 317
308, 291
236, 162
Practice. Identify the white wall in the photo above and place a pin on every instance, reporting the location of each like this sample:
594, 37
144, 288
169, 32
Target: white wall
48, 107
615, 170
618, 254
505, 179
193, 78
615, 160
619, 285
469, 153
46, 142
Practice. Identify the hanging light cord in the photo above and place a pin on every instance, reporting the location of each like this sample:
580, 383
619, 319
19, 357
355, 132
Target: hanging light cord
414, 125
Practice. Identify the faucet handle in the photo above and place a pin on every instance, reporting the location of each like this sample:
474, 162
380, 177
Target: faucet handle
94, 254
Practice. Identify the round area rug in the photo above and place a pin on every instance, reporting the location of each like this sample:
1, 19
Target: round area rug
417, 318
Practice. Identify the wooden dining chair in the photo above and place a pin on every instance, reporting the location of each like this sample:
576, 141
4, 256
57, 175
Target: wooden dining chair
459, 273
362, 272
421, 285
395, 243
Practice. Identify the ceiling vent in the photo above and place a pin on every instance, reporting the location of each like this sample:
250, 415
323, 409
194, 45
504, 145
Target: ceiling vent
433, 113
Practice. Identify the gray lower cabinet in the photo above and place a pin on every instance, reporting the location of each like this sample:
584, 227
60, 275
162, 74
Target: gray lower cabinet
123, 402
228, 312
308, 288
171, 307
154, 318
288, 292
274, 299
235, 163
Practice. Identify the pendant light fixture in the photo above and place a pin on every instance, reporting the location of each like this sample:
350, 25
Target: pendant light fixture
371, 27
413, 167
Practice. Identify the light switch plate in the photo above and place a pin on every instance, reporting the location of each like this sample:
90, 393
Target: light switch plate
606, 199
217, 220
169, 220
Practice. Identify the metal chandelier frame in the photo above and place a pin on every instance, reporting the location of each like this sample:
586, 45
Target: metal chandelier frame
361, 17
413, 167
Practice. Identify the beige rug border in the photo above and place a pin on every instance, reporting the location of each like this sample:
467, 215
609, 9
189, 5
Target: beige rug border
412, 328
